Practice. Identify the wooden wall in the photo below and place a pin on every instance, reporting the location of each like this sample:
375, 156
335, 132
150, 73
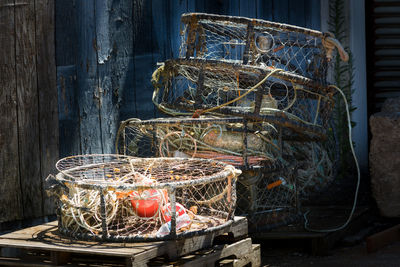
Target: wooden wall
107, 50
28, 107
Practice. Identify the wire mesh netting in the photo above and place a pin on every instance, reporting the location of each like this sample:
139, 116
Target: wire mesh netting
230, 140
121, 198
203, 86
257, 42
268, 200
315, 165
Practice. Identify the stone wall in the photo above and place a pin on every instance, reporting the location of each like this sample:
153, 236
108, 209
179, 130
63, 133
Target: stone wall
385, 158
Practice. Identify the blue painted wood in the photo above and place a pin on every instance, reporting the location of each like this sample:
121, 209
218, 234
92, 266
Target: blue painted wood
297, 13
121, 94
66, 58
264, 9
144, 63
177, 8
66, 33
87, 78
68, 111
248, 8
313, 14
161, 34
281, 11
107, 22
234, 8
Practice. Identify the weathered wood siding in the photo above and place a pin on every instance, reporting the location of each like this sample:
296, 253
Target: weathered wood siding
108, 49
28, 107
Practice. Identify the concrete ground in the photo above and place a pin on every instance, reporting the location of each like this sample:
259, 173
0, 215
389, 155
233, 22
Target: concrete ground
356, 256
350, 251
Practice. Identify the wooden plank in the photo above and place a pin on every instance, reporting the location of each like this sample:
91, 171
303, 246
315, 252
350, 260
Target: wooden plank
118, 99
174, 249
177, 8
87, 79
234, 8
45, 237
382, 239
161, 30
66, 33
48, 106
66, 59
248, 8
28, 109
313, 14
281, 11
161, 36
297, 13
264, 10
68, 111
144, 64
238, 249
10, 194
109, 115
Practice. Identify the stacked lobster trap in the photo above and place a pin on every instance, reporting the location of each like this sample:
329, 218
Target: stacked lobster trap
253, 94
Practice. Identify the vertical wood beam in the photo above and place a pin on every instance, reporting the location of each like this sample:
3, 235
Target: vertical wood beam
28, 109
47, 92
10, 194
89, 95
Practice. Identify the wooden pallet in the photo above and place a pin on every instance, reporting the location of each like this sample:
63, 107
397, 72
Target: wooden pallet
319, 218
43, 243
238, 254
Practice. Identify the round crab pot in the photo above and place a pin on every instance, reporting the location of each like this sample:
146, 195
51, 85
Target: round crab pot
121, 198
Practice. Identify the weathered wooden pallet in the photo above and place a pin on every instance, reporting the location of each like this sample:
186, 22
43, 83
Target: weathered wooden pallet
241, 253
44, 243
319, 218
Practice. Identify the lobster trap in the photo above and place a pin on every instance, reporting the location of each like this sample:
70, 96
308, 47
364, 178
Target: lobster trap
245, 145
298, 50
121, 198
198, 86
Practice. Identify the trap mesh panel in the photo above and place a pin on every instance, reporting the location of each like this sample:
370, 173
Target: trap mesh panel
267, 199
256, 42
184, 86
143, 199
315, 165
230, 140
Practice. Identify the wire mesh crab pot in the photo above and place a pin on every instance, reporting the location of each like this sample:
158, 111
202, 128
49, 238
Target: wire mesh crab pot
245, 145
268, 200
258, 42
121, 198
279, 97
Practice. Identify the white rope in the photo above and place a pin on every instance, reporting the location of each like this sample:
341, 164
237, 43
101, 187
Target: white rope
358, 176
